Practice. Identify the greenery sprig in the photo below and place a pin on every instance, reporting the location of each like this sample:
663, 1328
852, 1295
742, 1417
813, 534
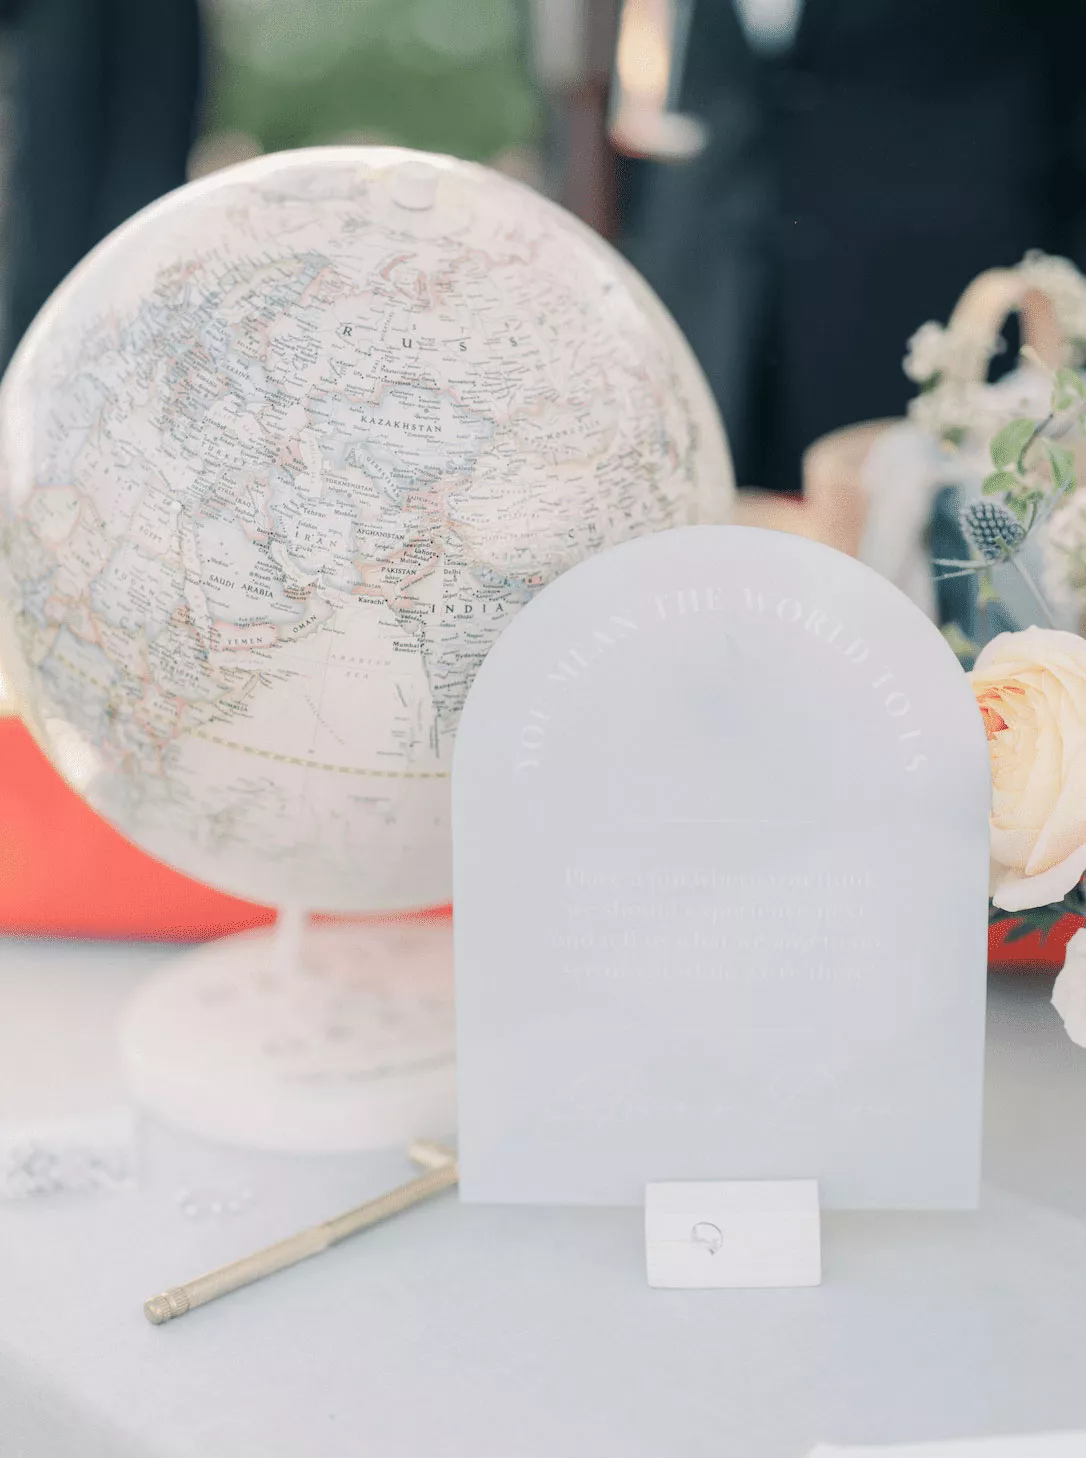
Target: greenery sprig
1033, 473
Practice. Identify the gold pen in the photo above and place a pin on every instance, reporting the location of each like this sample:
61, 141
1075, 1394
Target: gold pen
442, 1172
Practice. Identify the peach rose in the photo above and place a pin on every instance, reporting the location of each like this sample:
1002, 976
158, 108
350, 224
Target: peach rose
1031, 689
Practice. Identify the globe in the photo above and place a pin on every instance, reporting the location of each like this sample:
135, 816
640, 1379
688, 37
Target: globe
278, 462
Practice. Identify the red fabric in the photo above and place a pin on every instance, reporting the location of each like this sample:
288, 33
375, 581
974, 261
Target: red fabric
1031, 952
65, 872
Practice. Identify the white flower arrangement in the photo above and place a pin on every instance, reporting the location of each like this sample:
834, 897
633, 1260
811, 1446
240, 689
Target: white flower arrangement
1065, 287
1036, 458
938, 350
1030, 685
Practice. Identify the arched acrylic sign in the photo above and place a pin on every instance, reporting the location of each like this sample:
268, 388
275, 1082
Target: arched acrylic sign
720, 840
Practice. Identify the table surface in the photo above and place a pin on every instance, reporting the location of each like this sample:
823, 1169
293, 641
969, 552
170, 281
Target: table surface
493, 1332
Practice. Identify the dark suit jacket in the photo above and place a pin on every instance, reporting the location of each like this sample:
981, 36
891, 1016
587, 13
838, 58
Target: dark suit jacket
104, 113
850, 191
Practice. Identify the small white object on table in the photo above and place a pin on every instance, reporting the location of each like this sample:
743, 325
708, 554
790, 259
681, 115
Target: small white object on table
732, 1234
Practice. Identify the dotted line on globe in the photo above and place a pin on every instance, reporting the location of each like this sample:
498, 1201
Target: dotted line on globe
83, 674
341, 769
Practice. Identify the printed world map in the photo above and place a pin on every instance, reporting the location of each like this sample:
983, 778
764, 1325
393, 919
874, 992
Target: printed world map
280, 460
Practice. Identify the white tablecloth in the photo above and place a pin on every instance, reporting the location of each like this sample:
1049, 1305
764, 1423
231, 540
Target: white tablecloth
473, 1332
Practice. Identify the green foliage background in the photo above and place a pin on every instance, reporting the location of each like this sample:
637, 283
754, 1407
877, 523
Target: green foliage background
446, 75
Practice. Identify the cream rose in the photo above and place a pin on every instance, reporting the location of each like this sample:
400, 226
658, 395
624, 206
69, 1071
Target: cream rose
1031, 689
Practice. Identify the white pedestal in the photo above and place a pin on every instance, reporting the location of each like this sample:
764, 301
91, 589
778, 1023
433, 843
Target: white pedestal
317, 1039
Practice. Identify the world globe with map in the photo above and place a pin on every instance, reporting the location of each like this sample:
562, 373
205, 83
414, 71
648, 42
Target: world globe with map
278, 462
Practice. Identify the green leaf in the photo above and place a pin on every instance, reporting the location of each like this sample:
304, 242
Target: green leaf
986, 593
963, 648
1009, 442
1075, 900
1019, 933
1020, 508
1039, 919
999, 483
1062, 462
1069, 390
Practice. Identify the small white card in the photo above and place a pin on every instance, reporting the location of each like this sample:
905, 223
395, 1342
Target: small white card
1029, 1445
733, 1233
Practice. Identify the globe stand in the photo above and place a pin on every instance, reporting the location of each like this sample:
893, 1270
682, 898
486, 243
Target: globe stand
310, 1037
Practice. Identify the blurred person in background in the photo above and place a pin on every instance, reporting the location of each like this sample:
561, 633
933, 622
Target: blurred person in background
866, 159
104, 106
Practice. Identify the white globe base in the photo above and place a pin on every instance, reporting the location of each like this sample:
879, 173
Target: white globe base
338, 1037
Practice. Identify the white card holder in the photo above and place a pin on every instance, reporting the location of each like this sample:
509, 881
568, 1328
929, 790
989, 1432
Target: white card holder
733, 1233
